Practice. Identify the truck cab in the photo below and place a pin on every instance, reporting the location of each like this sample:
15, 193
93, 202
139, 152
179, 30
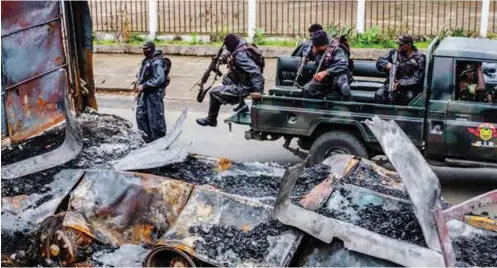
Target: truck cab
446, 129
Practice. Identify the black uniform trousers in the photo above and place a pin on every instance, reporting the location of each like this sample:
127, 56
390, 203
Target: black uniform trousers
224, 94
150, 114
319, 89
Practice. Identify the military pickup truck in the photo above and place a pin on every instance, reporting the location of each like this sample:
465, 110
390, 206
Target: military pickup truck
448, 132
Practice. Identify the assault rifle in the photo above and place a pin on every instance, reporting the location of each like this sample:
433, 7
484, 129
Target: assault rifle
213, 67
393, 70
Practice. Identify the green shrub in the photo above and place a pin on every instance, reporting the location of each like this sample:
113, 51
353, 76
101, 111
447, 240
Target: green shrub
194, 40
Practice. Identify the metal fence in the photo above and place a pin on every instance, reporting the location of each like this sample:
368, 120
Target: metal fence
290, 17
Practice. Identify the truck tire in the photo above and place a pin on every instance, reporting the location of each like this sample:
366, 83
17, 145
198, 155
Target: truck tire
340, 142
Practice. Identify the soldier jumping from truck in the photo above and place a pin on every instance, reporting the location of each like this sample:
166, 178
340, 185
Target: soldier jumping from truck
245, 65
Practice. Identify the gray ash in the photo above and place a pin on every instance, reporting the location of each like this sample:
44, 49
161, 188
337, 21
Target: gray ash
400, 224
197, 171
23, 245
33, 146
477, 250
192, 170
218, 240
365, 176
310, 178
105, 138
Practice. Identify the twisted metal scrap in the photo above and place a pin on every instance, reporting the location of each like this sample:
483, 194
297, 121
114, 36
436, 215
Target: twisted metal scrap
73, 143
421, 182
156, 153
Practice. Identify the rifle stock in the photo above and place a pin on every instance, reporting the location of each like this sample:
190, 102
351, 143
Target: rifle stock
213, 67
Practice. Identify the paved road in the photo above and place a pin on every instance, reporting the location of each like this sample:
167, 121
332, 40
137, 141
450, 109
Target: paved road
219, 142
118, 71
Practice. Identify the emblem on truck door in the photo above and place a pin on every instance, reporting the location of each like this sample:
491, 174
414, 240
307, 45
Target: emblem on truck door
485, 132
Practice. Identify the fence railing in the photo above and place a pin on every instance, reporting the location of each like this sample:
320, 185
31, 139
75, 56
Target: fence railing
291, 17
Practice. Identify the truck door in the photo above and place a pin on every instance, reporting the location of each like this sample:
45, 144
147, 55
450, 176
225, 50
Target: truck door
471, 127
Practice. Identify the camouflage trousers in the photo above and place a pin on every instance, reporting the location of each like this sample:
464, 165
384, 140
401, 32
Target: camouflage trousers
319, 89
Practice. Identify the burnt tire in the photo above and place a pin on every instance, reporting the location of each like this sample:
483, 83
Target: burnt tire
336, 142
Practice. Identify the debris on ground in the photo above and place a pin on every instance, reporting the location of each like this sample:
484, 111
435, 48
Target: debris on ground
245, 179
476, 250
253, 244
106, 138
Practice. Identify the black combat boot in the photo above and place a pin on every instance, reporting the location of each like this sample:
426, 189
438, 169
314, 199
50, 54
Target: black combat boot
207, 122
211, 119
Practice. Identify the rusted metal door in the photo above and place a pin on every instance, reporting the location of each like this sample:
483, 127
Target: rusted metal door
34, 74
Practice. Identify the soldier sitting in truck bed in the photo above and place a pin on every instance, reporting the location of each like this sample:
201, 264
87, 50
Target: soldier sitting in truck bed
409, 75
333, 71
471, 83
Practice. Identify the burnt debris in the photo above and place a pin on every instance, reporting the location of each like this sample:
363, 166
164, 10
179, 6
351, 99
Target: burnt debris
247, 245
106, 138
476, 250
365, 176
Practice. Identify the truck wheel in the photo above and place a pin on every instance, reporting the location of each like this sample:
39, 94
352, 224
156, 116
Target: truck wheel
336, 142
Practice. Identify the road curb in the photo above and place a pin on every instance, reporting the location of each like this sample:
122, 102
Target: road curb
209, 50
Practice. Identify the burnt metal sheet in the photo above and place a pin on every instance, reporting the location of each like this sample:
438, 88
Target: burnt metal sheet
73, 143
36, 105
156, 153
19, 212
355, 238
125, 208
32, 52
421, 182
208, 208
18, 15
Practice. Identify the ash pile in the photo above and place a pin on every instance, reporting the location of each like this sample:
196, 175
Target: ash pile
106, 138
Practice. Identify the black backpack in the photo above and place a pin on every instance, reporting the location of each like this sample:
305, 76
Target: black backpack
168, 64
254, 53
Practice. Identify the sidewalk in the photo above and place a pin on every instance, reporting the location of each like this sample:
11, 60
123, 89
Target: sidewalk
116, 72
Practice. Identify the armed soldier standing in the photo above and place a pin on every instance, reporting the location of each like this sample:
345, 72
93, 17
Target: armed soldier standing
245, 65
151, 87
409, 75
333, 73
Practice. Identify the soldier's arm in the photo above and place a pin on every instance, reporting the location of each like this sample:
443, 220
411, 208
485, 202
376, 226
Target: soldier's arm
340, 62
481, 78
383, 61
418, 73
244, 62
158, 77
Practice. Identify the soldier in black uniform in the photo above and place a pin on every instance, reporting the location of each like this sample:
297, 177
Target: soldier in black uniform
334, 72
244, 78
409, 75
151, 87
471, 83
304, 48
